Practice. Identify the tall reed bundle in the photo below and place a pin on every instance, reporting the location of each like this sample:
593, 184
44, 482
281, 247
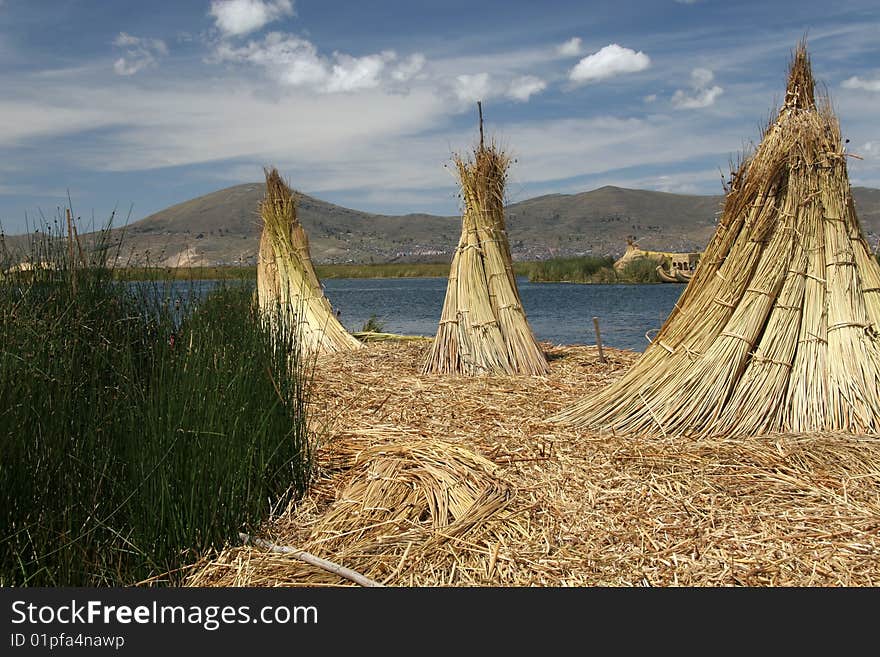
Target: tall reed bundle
288, 289
778, 329
483, 327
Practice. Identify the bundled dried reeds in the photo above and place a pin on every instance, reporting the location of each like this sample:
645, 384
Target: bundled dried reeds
483, 327
406, 504
288, 289
778, 329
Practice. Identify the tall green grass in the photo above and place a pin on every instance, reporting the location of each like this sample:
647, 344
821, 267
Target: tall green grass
640, 270
137, 434
583, 269
384, 270
592, 269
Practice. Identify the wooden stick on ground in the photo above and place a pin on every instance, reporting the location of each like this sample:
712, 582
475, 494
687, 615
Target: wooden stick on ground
309, 558
599, 340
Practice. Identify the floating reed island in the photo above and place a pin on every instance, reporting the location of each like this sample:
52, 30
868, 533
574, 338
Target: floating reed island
744, 449
462, 481
289, 293
483, 327
778, 329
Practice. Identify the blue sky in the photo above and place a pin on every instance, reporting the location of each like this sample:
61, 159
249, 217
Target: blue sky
137, 106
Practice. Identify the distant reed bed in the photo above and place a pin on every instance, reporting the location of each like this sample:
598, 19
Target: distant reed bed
364, 270
385, 270
592, 269
137, 434
186, 273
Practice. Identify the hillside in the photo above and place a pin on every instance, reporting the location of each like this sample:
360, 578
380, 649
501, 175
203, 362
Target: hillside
223, 227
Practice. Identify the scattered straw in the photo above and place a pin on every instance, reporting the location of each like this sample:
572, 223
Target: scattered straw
504, 498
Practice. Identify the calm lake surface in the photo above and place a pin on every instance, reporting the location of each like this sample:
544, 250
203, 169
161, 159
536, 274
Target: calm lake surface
561, 313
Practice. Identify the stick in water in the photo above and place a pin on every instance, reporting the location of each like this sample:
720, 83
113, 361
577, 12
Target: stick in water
309, 558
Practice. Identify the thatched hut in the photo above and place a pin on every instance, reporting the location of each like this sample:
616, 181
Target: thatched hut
483, 327
778, 328
288, 289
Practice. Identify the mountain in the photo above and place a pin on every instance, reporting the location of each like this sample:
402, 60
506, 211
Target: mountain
223, 227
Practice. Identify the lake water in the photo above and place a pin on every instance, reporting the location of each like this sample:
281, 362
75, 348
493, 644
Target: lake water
561, 313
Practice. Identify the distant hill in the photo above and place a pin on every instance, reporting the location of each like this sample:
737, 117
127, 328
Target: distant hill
223, 227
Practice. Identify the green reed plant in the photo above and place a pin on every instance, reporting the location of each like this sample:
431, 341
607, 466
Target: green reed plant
141, 425
373, 325
384, 270
582, 269
639, 270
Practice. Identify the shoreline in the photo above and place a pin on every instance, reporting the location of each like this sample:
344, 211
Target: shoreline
332, 271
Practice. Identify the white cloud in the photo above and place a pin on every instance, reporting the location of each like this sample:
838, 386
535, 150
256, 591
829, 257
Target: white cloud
701, 94
687, 2
698, 99
561, 149
650, 98
289, 59
295, 62
701, 78
570, 48
240, 17
503, 64
124, 40
331, 141
123, 67
325, 143
22, 119
354, 73
610, 61
471, 88
409, 68
140, 53
672, 184
856, 82
523, 88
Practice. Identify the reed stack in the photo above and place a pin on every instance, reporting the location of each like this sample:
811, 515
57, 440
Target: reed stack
289, 293
483, 327
778, 328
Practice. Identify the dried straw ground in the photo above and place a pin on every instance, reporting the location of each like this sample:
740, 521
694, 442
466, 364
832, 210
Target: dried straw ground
437, 480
